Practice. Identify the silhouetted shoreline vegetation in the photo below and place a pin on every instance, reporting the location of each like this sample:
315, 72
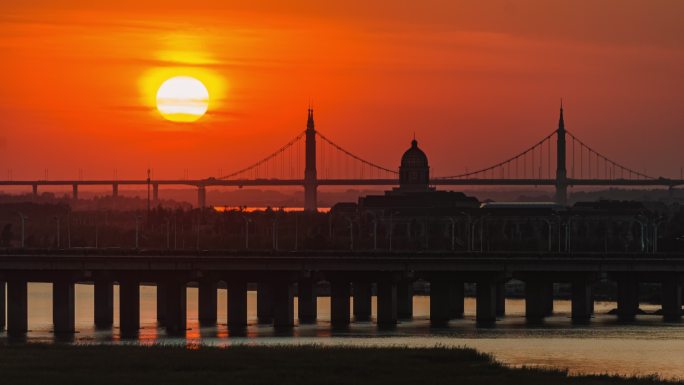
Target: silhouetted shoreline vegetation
128, 364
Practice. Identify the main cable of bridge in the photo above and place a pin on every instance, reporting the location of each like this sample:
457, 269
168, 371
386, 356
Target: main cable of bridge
348, 155
609, 166
268, 158
534, 163
505, 166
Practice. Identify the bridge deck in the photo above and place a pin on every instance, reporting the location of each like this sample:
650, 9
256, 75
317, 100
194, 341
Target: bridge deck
509, 263
347, 182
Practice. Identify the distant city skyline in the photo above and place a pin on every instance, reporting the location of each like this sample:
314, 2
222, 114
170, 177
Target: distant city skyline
475, 81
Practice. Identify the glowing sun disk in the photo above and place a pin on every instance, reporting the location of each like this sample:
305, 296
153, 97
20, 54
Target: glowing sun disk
182, 99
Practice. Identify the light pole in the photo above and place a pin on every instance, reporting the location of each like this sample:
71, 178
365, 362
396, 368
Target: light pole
275, 234
23, 225
479, 220
351, 233
375, 234
467, 229
69, 231
137, 231
168, 232
198, 232
296, 230
375, 230
391, 230
247, 220
58, 233
453, 227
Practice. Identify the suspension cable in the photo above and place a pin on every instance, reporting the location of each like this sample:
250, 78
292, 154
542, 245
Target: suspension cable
265, 160
514, 158
363, 161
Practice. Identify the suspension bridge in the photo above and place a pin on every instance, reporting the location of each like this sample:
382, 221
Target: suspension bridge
312, 159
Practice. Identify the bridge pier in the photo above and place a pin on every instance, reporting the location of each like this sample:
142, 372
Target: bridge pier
362, 293
176, 307
63, 306
627, 298
237, 304
486, 302
35, 190
2, 305
201, 197
129, 307
501, 299
104, 303
582, 300
307, 306
536, 301
115, 190
672, 299
405, 299
548, 298
161, 304
456, 298
207, 308
17, 307
339, 303
264, 303
74, 193
440, 301
387, 303
283, 304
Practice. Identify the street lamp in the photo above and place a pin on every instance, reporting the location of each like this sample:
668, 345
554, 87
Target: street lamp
69, 230
168, 232
391, 228
296, 230
375, 229
199, 224
479, 220
247, 220
23, 225
351, 232
453, 227
275, 234
58, 233
137, 231
469, 246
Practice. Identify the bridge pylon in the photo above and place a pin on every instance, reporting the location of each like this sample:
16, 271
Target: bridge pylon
561, 172
310, 178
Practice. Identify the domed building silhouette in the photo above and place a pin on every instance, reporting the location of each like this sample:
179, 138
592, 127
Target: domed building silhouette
414, 171
415, 214
414, 192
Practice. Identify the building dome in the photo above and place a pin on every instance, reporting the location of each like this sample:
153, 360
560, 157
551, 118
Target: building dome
414, 172
414, 157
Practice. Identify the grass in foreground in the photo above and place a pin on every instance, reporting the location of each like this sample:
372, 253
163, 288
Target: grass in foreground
120, 365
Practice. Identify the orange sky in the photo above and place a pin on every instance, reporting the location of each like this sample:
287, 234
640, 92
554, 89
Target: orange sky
477, 81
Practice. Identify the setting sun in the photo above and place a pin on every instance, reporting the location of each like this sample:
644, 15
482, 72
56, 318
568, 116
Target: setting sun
182, 99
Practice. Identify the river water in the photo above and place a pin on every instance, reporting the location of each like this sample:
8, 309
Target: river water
648, 346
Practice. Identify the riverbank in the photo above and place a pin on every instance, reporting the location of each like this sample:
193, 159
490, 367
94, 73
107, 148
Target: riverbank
125, 364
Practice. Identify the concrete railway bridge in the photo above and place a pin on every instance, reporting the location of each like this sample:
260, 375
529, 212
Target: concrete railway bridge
282, 277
